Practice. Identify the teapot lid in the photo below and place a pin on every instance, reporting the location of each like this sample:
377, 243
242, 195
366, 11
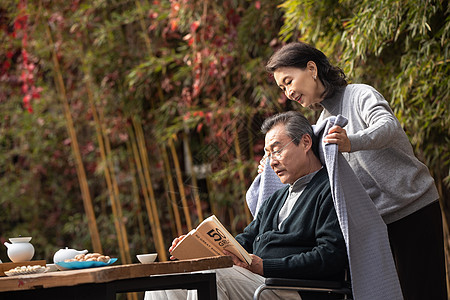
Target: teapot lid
20, 239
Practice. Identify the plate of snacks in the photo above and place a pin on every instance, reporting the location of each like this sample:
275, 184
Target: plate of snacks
89, 260
24, 270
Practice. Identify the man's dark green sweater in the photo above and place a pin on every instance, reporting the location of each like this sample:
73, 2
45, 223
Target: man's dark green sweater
309, 244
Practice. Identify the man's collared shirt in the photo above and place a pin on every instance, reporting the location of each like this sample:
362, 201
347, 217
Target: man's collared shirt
295, 190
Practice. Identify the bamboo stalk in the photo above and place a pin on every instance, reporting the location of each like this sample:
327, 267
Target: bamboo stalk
178, 176
144, 159
119, 216
113, 190
107, 175
142, 148
173, 227
210, 190
140, 172
176, 163
171, 191
180, 184
142, 24
198, 203
105, 154
446, 238
150, 201
81, 173
211, 197
136, 197
250, 137
241, 174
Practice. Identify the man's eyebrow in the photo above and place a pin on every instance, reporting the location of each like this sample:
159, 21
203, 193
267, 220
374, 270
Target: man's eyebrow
272, 145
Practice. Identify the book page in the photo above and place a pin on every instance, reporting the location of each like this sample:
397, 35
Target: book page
210, 238
192, 247
221, 238
207, 242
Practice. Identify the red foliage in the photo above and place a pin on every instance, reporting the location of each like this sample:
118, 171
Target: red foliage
28, 87
194, 26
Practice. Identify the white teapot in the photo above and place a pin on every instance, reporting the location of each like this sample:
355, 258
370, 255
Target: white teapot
63, 254
20, 250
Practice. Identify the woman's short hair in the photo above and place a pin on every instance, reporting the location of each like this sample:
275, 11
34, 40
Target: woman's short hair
298, 54
296, 126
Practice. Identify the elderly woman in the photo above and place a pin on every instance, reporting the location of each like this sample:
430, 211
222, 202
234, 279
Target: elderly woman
379, 152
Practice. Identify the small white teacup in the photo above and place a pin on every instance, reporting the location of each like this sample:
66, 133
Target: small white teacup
147, 258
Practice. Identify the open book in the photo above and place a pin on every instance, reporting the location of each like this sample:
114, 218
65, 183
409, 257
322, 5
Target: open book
210, 238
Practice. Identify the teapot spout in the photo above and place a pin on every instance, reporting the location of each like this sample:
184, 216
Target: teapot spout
7, 244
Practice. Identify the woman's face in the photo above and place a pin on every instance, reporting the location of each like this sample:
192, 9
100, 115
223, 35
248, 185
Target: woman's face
302, 86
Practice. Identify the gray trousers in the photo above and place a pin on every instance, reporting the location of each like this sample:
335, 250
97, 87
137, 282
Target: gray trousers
233, 283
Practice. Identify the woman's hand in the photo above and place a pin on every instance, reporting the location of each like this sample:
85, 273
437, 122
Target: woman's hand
262, 163
255, 267
175, 242
338, 135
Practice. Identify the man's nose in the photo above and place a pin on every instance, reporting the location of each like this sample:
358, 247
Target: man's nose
273, 162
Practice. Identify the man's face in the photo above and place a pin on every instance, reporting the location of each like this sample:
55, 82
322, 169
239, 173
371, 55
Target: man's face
294, 161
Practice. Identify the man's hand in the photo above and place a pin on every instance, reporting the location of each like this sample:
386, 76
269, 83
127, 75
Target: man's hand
175, 242
338, 135
262, 163
255, 267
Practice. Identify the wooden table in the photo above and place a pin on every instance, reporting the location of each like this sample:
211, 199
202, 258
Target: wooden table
105, 282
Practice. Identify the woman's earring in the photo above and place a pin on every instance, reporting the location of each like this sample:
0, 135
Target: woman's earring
314, 77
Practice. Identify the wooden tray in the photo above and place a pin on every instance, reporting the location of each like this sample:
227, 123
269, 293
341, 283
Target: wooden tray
11, 265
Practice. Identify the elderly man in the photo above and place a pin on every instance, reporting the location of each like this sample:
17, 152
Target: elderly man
296, 233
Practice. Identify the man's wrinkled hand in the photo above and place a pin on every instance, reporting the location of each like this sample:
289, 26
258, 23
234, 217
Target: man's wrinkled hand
175, 242
255, 267
262, 163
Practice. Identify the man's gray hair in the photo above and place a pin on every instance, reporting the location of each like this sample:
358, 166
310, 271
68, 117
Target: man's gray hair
296, 126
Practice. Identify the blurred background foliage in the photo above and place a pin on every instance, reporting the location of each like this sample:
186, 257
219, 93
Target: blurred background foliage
125, 123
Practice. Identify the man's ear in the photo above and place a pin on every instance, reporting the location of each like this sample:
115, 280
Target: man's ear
306, 141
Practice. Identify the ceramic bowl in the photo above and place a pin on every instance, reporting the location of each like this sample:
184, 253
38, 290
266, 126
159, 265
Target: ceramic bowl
147, 258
